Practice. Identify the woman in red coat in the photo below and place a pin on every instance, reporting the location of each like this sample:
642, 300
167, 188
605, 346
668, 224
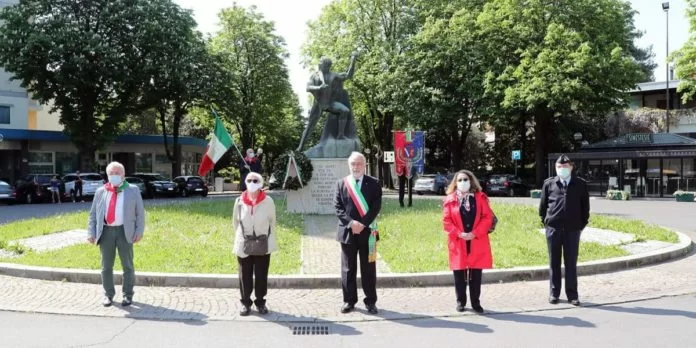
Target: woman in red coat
467, 218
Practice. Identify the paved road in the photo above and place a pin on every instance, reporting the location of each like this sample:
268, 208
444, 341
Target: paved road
665, 322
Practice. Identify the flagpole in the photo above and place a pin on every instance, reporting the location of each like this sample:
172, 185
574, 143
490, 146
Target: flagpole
233, 144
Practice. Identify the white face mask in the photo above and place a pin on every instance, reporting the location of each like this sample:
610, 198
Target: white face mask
564, 173
252, 187
463, 186
115, 180
250, 155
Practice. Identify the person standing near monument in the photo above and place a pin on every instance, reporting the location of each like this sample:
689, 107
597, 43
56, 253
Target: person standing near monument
116, 222
565, 211
358, 200
250, 163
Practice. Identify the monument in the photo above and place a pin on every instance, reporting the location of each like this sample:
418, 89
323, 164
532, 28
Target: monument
338, 139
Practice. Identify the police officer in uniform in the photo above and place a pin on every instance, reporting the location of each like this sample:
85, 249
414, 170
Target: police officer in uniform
565, 211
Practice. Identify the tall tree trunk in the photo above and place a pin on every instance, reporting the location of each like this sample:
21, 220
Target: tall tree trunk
179, 112
542, 126
455, 150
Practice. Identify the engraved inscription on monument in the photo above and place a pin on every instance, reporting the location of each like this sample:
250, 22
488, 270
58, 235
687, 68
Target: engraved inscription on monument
317, 197
324, 183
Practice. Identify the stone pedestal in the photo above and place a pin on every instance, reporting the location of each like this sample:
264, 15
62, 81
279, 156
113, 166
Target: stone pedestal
317, 196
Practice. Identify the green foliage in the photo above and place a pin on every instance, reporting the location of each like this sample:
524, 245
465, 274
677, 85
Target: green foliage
685, 58
87, 60
259, 104
685, 196
280, 166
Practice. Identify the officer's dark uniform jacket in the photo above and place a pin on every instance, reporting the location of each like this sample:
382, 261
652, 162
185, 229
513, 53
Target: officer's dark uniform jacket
564, 208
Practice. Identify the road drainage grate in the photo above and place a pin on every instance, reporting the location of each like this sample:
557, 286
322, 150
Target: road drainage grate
310, 330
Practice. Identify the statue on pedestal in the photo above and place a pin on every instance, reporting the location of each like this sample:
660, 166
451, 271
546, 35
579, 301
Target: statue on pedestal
339, 137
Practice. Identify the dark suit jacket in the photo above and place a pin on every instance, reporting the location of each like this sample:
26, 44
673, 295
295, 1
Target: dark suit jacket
346, 211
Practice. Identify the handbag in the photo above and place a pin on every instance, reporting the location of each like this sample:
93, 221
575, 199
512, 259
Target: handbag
254, 245
495, 222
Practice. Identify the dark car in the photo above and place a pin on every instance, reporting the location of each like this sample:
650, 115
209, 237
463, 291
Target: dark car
191, 185
36, 188
505, 185
7, 193
137, 182
156, 184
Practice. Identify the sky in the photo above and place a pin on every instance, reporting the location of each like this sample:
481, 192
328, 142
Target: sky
291, 19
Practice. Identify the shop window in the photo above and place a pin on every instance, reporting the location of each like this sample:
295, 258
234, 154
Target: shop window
4, 114
143, 162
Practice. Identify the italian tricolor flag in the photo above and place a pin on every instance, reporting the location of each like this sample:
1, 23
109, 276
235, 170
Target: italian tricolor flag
220, 142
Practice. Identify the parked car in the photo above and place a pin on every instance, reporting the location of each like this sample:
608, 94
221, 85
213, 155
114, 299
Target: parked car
432, 183
137, 182
34, 188
505, 185
188, 185
156, 184
7, 193
90, 183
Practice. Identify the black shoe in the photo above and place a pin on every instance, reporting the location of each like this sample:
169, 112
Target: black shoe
477, 308
107, 301
127, 301
461, 307
553, 300
347, 308
372, 309
575, 302
262, 309
244, 311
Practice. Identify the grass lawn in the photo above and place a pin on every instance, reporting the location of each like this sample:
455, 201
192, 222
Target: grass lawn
191, 237
196, 237
412, 239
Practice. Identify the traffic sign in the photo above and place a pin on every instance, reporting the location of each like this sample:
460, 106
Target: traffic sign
516, 155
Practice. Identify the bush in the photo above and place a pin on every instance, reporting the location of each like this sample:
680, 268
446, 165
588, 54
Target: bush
280, 166
618, 195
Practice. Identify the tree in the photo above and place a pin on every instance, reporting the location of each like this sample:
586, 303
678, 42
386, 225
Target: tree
88, 57
567, 58
259, 97
183, 76
379, 30
443, 71
685, 59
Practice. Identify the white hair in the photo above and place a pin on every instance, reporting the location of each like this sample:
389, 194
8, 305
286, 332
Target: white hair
115, 165
255, 175
355, 155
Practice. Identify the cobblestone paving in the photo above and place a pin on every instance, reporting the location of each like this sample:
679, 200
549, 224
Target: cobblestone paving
321, 253
167, 303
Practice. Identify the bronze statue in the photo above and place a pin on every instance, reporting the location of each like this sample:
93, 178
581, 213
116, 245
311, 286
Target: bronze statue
339, 136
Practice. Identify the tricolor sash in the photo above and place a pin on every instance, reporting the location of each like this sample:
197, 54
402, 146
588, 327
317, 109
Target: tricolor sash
360, 202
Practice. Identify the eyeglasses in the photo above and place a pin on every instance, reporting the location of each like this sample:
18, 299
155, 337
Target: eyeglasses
462, 179
255, 181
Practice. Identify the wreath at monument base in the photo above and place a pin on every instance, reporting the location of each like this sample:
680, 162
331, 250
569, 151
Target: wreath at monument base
280, 168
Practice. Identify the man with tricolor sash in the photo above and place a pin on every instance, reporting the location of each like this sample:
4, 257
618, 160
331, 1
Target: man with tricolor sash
358, 200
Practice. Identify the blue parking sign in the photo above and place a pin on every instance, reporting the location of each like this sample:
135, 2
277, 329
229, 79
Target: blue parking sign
516, 155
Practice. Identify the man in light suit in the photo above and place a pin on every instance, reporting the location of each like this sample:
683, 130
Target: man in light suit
116, 221
353, 234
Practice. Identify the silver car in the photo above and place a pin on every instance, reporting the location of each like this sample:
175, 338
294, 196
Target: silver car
90, 183
137, 182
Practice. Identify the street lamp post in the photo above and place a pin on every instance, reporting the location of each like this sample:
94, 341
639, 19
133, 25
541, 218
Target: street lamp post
665, 7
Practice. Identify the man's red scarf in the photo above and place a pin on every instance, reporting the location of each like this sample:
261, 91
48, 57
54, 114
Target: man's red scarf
111, 211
